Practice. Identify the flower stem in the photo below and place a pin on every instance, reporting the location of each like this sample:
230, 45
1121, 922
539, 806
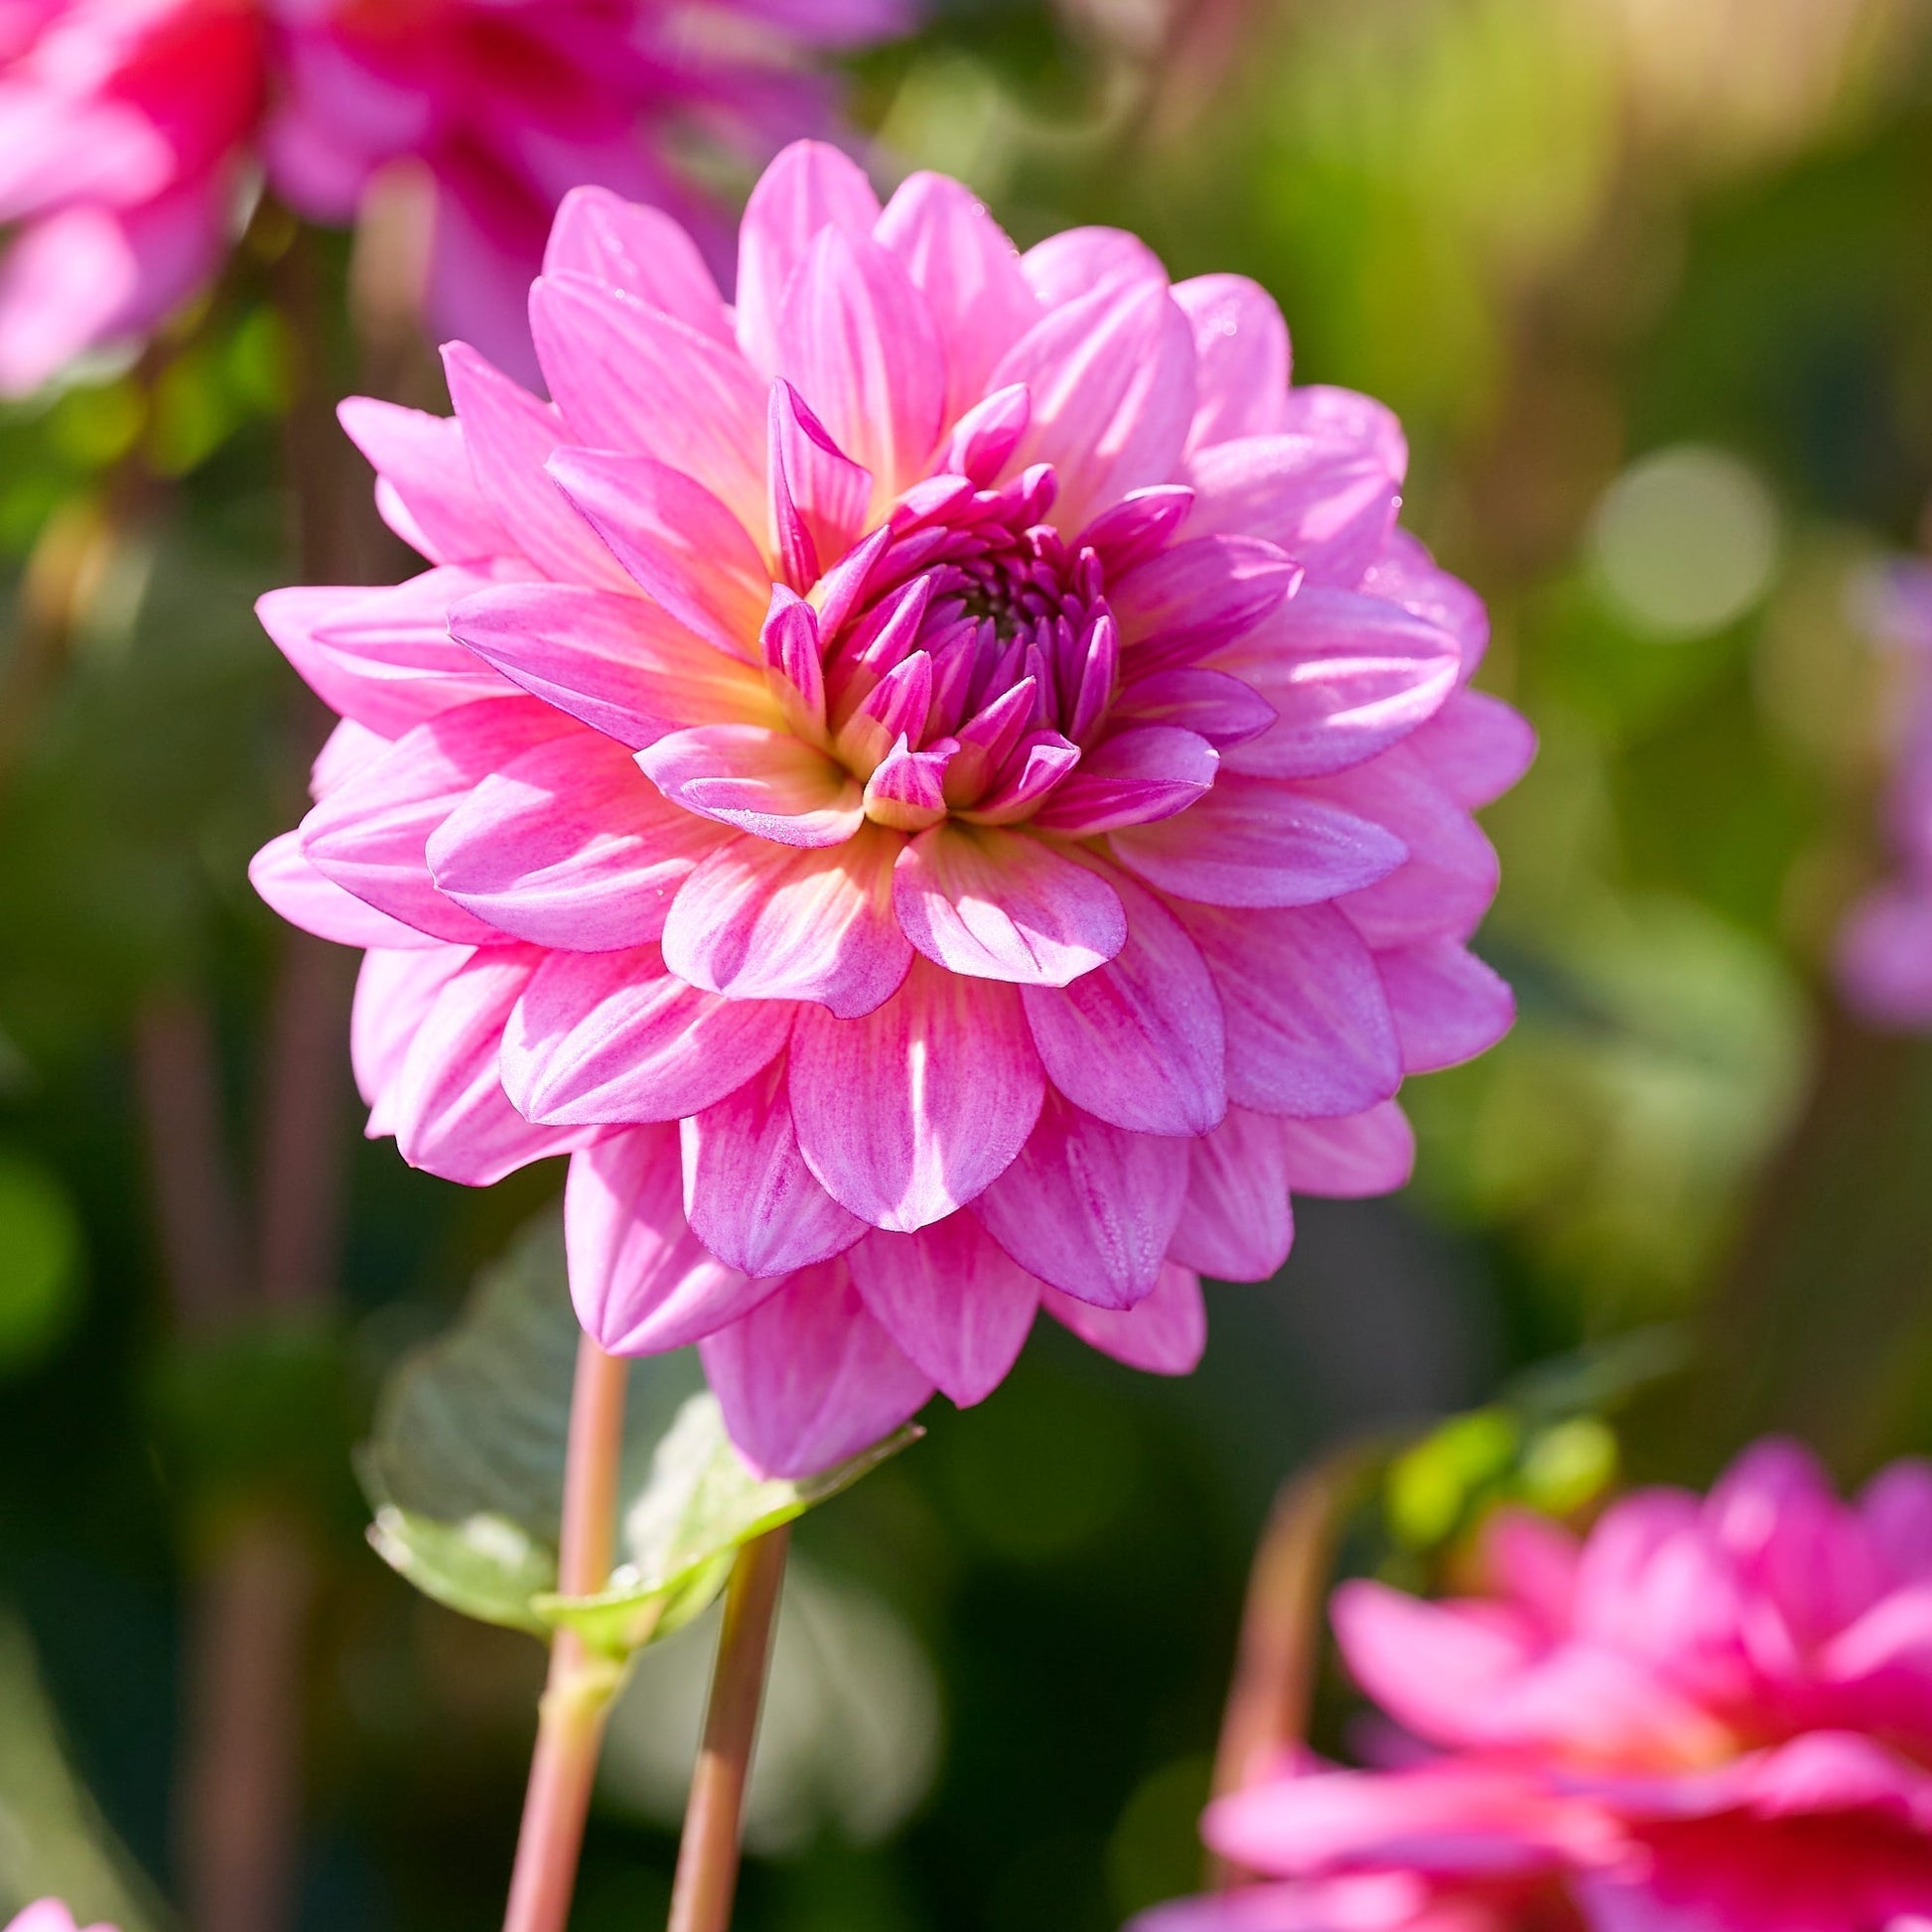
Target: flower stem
707, 1859
580, 1685
1281, 1624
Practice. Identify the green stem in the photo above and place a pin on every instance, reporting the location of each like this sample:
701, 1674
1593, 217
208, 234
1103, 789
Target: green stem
707, 1859
577, 1697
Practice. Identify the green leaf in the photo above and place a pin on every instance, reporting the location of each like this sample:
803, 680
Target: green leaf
465, 1468
680, 1530
486, 1567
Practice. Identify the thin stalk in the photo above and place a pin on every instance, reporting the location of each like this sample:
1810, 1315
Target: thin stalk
1282, 1625
577, 1695
707, 1858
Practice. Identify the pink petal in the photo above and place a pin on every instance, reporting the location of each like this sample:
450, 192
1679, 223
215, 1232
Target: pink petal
1468, 1821
1406, 574
859, 342
810, 186
383, 657
747, 1188
1337, 710
676, 539
1308, 1027
999, 904
1135, 777
1884, 958
613, 1039
1198, 597
1088, 1207
628, 377
640, 1280
446, 1104
345, 751
288, 883
394, 991
765, 921
617, 661
510, 436
1224, 710
1078, 261
1255, 842
425, 487
818, 494
1448, 1007
1241, 358
760, 781
642, 251
1162, 1333
1236, 1223
1329, 502
961, 262
1533, 1562
1138, 1041
1475, 748
1450, 874
985, 436
907, 789
1365, 1154
568, 845
809, 1378
952, 1299
369, 833
907, 1114
1112, 380
1137, 527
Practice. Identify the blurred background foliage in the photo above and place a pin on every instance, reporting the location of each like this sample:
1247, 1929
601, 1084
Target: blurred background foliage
1649, 282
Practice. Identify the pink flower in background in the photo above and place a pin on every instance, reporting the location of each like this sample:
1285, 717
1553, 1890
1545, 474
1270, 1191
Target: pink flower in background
942, 788
1713, 1714
131, 132
124, 133
47, 1916
1886, 948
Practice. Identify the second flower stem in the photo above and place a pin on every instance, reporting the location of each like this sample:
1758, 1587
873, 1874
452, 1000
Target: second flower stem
577, 1695
707, 1859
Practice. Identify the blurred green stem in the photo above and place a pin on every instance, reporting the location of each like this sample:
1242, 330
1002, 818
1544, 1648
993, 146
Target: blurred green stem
577, 1697
707, 1859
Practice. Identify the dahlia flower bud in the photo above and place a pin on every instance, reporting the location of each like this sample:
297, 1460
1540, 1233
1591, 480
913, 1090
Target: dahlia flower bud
130, 131
1710, 1713
941, 787
1885, 953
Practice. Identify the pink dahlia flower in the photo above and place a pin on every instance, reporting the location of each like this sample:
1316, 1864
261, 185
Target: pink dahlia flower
1714, 1715
1886, 948
47, 1916
131, 130
942, 788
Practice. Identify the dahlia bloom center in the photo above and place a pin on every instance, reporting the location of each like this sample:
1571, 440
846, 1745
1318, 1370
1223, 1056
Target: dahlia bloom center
962, 660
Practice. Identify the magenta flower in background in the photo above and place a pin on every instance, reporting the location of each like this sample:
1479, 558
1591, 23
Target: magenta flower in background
132, 132
124, 133
942, 788
1886, 948
47, 1916
1712, 1714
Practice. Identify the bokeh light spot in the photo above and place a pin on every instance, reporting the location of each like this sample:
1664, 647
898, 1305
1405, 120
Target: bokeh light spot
1686, 542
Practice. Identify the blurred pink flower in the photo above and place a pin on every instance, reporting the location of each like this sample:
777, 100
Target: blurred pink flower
131, 132
124, 127
1711, 1715
1886, 947
47, 1916
943, 788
